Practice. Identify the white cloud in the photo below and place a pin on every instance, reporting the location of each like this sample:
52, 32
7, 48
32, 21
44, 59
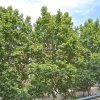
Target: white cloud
83, 12
32, 7
27, 7
66, 3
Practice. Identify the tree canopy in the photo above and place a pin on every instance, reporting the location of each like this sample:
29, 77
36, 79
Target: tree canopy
50, 57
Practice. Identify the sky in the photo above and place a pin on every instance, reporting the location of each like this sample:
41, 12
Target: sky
79, 10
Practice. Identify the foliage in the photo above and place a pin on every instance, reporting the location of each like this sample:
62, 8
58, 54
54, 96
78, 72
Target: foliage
52, 58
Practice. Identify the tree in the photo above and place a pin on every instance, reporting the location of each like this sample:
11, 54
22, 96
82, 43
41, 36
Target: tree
89, 55
59, 41
85, 79
15, 40
51, 58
